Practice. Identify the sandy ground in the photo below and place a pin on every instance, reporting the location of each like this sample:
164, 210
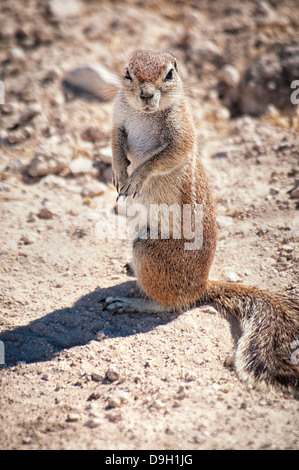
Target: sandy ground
75, 376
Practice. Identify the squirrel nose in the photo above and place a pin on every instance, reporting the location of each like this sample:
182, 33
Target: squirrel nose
146, 95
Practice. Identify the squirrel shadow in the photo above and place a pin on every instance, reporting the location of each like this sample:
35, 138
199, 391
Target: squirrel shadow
77, 325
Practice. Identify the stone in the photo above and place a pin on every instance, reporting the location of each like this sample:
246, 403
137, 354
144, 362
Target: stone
15, 166
80, 165
295, 193
94, 423
112, 374
265, 82
93, 134
73, 418
105, 155
43, 165
231, 276
51, 157
94, 79
230, 75
274, 191
225, 152
224, 221
118, 399
45, 213
67, 8
92, 190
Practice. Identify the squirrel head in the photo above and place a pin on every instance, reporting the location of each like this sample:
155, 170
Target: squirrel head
150, 80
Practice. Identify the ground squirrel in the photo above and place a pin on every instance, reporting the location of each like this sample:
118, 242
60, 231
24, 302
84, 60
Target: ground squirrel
155, 163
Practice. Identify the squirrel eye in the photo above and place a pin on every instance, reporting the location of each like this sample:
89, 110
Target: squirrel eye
128, 76
169, 76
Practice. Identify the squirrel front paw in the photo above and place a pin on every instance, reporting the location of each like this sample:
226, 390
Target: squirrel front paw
131, 187
118, 180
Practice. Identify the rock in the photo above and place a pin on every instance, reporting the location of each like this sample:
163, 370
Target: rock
80, 165
295, 193
114, 416
224, 221
100, 336
93, 134
27, 239
5, 187
231, 276
266, 82
24, 117
230, 75
267, 16
45, 213
262, 84
262, 229
112, 374
190, 376
157, 404
43, 165
17, 136
15, 166
225, 152
289, 56
17, 55
97, 377
73, 417
93, 190
274, 191
95, 80
105, 155
94, 423
51, 157
118, 399
200, 50
65, 9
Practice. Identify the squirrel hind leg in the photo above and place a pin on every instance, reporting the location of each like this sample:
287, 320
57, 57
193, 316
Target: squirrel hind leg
133, 305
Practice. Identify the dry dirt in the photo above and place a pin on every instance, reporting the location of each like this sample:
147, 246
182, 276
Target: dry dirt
75, 376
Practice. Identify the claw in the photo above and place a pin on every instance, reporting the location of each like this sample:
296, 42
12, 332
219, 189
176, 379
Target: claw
126, 191
118, 305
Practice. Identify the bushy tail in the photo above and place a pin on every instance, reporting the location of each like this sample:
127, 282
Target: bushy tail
267, 352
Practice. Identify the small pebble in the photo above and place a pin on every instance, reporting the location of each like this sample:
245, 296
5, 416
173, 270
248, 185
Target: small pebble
231, 276
295, 193
45, 213
190, 376
73, 417
101, 336
80, 165
97, 377
114, 416
118, 399
112, 374
93, 190
94, 423
274, 191
158, 404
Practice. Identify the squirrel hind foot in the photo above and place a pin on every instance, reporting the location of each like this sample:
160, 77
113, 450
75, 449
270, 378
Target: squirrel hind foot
132, 305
